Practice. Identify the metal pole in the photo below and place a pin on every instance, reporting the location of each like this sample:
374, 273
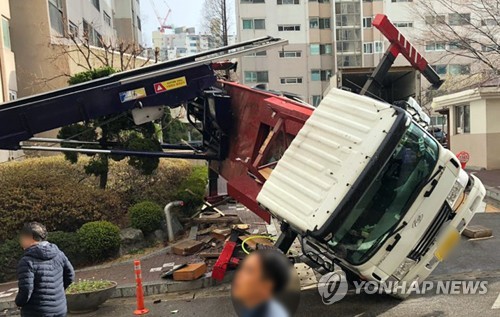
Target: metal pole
168, 217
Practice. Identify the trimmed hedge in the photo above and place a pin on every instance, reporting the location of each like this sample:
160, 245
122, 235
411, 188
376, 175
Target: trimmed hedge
192, 190
10, 254
69, 243
61, 196
146, 216
99, 240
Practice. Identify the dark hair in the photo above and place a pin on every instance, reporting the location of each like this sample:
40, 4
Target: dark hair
35, 230
275, 268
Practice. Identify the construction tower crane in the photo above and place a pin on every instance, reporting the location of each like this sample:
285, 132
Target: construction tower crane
162, 20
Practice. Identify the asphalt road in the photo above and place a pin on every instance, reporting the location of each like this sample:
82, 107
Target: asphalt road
217, 303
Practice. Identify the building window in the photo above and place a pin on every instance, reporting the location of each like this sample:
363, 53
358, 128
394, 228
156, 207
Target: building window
289, 27
490, 48
320, 74
6, 33
290, 54
349, 60
316, 99
56, 16
368, 48
93, 37
379, 46
462, 119
489, 22
435, 46
290, 80
73, 29
367, 22
319, 23
252, 1
458, 19
403, 24
456, 46
139, 24
288, 1
256, 77
320, 49
254, 24
320, 1
107, 18
458, 69
256, 54
440, 69
97, 4
435, 19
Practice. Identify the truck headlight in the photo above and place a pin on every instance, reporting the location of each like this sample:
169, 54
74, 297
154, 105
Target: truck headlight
404, 268
454, 193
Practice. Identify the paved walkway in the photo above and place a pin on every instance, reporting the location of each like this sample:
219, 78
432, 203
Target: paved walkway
153, 264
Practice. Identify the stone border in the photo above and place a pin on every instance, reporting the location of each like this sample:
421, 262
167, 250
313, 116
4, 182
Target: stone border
150, 288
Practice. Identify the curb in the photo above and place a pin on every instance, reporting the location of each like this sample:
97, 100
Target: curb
169, 286
150, 288
493, 193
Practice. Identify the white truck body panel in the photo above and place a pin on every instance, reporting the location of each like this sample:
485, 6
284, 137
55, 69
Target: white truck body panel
325, 159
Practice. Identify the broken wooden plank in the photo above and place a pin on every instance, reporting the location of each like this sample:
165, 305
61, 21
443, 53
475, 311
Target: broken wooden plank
193, 232
187, 247
225, 219
190, 272
220, 234
207, 230
477, 231
209, 255
241, 226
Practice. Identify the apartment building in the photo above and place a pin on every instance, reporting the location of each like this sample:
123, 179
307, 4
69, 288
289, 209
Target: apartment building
183, 41
127, 21
326, 36
40, 30
8, 82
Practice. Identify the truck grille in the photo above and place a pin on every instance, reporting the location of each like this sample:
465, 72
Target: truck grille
444, 215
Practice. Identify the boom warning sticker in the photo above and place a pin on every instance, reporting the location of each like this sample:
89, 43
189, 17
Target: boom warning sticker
170, 84
133, 94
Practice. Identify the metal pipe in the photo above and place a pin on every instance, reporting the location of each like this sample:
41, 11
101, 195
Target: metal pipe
168, 146
168, 217
182, 155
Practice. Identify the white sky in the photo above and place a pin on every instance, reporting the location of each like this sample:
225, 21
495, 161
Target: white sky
184, 13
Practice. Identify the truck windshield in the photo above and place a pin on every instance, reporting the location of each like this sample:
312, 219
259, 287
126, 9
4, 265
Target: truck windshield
380, 209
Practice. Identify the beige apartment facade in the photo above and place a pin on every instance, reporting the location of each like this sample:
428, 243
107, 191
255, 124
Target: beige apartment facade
473, 123
326, 36
8, 81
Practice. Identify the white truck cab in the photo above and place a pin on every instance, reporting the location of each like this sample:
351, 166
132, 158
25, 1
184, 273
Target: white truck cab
368, 188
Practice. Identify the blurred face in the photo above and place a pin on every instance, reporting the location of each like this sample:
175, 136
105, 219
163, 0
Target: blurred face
249, 286
26, 241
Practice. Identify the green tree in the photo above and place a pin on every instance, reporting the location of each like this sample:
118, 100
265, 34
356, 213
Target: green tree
120, 131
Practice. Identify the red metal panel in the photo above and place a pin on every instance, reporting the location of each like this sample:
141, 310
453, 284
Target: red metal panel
254, 111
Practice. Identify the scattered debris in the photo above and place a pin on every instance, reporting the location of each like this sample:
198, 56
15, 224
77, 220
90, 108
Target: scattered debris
173, 312
157, 301
241, 226
209, 255
190, 272
193, 232
171, 271
479, 239
228, 219
260, 240
221, 234
187, 247
477, 231
207, 230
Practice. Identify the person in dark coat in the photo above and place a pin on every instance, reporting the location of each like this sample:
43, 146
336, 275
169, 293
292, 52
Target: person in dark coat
44, 272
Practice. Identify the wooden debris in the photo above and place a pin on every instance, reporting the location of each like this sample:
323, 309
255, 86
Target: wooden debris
220, 220
209, 255
241, 226
221, 234
187, 247
477, 231
190, 272
193, 232
206, 240
207, 230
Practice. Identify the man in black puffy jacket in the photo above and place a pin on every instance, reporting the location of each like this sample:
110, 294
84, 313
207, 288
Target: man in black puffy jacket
44, 272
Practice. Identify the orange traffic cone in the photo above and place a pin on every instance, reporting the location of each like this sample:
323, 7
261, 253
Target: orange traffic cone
141, 310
